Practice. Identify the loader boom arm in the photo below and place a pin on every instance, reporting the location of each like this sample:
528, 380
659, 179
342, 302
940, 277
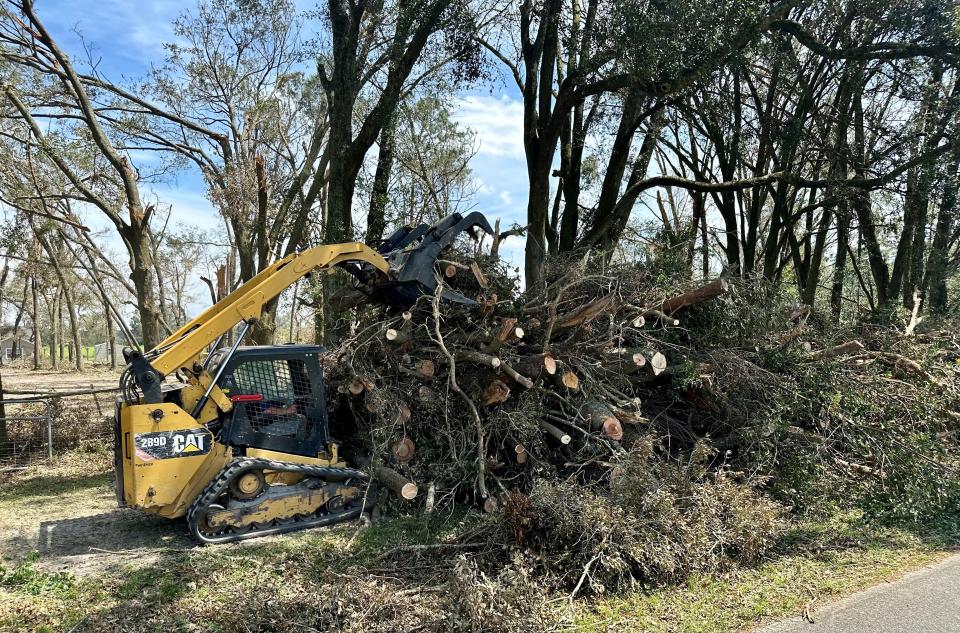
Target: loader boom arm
246, 302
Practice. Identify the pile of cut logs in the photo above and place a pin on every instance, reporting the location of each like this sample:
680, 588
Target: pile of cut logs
467, 402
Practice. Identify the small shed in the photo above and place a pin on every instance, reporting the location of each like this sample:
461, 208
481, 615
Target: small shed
101, 352
15, 348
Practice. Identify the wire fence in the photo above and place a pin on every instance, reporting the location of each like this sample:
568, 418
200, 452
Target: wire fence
34, 429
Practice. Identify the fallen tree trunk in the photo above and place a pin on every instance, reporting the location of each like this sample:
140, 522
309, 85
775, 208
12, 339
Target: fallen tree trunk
601, 419
397, 483
837, 350
587, 313
706, 292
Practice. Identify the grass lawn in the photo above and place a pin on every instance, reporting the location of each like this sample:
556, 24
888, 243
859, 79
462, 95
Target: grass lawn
147, 576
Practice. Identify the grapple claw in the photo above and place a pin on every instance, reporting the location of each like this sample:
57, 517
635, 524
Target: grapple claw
412, 253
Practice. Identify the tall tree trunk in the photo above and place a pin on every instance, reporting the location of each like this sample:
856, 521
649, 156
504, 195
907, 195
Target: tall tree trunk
54, 343
76, 352
540, 135
141, 275
16, 323
376, 217
264, 331
538, 203
838, 170
908, 264
4, 437
37, 344
935, 281
111, 334
16, 326
602, 229
840, 260
565, 229
610, 224
860, 200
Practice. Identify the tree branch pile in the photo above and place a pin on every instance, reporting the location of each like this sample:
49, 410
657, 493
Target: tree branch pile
626, 407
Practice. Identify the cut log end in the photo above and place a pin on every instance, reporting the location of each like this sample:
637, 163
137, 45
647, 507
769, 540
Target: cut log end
397, 483
404, 449
554, 432
496, 392
613, 429
570, 380
657, 364
356, 386
426, 368
521, 452
550, 364
601, 419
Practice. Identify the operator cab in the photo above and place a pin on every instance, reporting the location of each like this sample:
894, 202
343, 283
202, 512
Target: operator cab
278, 395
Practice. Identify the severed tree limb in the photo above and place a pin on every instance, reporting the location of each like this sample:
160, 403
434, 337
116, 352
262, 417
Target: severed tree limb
452, 380
400, 485
517, 376
914, 314
586, 313
479, 358
666, 318
837, 350
498, 237
706, 292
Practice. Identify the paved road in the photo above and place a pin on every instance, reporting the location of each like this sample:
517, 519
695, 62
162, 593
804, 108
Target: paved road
924, 601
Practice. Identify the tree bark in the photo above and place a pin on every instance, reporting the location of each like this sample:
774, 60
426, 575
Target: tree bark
935, 281
376, 218
76, 351
37, 345
400, 485
142, 277
840, 259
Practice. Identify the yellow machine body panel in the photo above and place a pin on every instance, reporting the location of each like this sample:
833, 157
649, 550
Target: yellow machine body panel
167, 458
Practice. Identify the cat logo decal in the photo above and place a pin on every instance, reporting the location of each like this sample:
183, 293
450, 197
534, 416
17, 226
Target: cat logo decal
169, 444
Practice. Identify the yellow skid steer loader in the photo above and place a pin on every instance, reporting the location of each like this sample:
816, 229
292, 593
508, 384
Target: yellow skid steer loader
238, 440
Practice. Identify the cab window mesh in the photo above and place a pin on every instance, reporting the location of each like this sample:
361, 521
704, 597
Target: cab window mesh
285, 388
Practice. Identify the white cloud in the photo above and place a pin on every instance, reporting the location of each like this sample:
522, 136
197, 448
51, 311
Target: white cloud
125, 36
483, 188
505, 197
498, 123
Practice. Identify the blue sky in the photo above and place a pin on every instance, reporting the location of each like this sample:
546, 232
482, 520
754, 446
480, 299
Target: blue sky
126, 37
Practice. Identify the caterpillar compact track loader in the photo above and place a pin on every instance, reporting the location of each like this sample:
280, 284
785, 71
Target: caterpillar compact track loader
238, 441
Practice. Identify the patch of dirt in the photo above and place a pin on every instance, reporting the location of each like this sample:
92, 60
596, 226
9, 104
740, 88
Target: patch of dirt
72, 521
22, 379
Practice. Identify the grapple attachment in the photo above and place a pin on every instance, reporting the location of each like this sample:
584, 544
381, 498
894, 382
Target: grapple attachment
412, 253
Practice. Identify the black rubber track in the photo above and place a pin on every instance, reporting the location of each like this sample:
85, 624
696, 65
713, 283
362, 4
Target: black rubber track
240, 466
